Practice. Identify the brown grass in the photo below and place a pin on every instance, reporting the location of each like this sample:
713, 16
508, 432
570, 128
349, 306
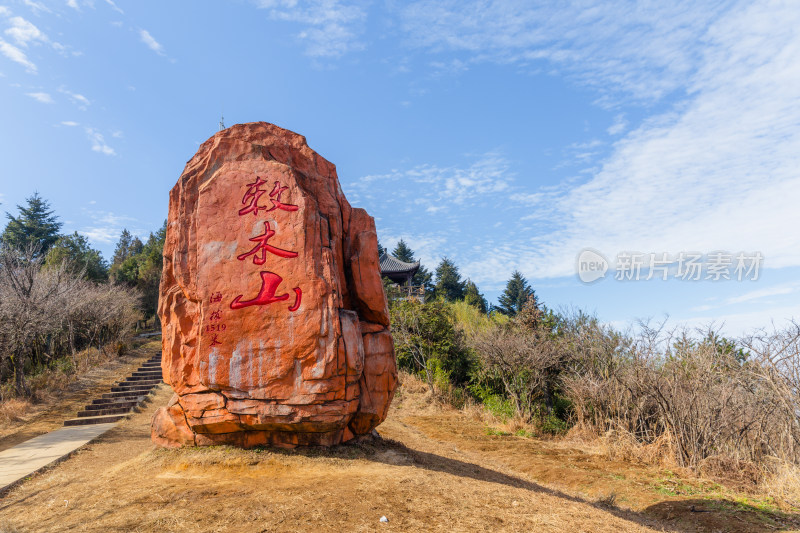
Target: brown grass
436, 469
60, 399
13, 410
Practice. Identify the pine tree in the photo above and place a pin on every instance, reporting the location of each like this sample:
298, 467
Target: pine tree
36, 225
127, 246
422, 278
473, 297
516, 294
121, 252
381, 249
403, 252
448, 281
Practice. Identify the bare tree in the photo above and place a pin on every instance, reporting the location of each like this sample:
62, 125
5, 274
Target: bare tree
521, 359
32, 303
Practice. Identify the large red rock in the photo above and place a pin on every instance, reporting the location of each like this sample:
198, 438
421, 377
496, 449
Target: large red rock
275, 325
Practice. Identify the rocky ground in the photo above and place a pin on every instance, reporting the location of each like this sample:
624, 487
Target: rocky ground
434, 469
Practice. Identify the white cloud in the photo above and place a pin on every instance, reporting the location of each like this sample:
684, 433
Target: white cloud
41, 97
719, 172
644, 51
151, 43
36, 7
98, 142
777, 290
618, 125
436, 188
115, 7
743, 323
24, 32
332, 27
106, 225
16, 55
81, 101
69, 123
73, 4
4, 11
107, 235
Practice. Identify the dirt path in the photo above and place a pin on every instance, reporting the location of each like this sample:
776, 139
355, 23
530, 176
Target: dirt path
50, 415
435, 470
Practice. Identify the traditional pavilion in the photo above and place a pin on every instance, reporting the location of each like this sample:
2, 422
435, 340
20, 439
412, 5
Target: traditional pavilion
398, 271
401, 273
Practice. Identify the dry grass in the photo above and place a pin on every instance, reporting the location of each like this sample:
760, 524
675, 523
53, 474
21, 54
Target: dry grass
13, 410
783, 483
63, 398
437, 469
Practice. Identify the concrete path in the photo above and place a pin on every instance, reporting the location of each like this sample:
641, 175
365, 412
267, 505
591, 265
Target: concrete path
26, 458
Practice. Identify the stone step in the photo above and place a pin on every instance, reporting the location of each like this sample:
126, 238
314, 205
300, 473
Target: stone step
123, 394
156, 374
149, 368
153, 377
124, 402
81, 421
102, 412
132, 388
138, 381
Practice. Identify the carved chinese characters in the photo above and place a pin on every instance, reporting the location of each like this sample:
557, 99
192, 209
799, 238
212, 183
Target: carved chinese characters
275, 326
269, 280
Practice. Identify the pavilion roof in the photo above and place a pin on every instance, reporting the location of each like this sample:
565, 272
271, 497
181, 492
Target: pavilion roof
392, 265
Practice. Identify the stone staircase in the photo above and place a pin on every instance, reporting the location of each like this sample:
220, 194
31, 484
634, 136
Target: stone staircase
124, 396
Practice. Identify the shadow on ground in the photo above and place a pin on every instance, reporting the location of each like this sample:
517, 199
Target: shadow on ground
682, 516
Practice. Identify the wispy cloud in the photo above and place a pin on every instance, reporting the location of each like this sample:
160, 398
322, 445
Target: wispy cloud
37, 7
44, 98
73, 4
98, 142
433, 188
17, 56
115, 7
69, 123
619, 125
777, 290
718, 172
151, 43
81, 101
24, 32
332, 28
613, 46
715, 171
106, 226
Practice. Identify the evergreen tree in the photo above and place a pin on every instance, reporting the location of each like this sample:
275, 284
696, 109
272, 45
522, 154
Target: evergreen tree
515, 296
448, 281
127, 247
403, 252
381, 249
75, 250
150, 264
474, 297
123, 246
422, 277
36, 224
141, 265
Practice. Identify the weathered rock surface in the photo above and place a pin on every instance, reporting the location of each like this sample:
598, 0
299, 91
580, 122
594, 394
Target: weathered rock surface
275, 324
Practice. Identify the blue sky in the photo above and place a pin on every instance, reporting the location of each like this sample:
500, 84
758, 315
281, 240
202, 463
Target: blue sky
500, 135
